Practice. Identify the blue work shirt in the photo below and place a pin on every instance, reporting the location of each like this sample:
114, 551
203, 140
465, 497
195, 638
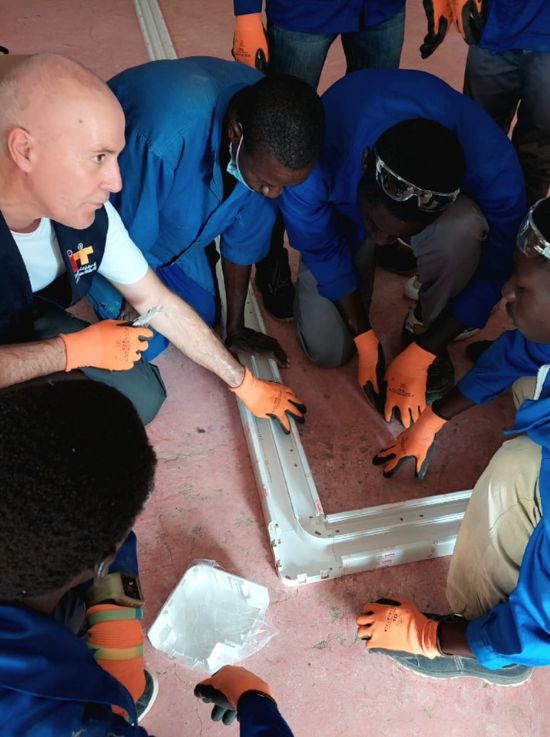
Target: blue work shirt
51, 686
327, 16
518, 631
517, 24
172, 197
49, 679
322, 216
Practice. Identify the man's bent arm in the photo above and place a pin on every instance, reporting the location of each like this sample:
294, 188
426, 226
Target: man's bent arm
24, 361
354, 313
181, 325
236, 279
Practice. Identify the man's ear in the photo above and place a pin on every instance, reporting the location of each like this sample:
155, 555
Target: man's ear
234, 130
21, 147
364, 158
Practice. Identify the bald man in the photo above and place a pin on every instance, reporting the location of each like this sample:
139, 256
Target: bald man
62, 130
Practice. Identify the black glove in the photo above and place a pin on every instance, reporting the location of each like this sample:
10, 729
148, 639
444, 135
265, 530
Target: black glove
439, 14
225, 688
223, 711
261, 62
469, 17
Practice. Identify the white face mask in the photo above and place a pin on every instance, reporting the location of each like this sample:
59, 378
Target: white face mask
233, 165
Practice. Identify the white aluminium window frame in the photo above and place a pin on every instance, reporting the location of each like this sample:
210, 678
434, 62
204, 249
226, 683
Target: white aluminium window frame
309, 545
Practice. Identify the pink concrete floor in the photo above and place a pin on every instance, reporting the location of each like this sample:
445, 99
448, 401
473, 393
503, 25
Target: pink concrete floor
206, 504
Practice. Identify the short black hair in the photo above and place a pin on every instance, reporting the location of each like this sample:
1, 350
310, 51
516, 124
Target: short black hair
424, 153
75, 470
284, 116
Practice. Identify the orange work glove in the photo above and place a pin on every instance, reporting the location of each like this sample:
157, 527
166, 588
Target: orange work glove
439, 14
370, 369
393, 624
469, 17
250, 42
109, 344
406, 378
268, 399
115, 636
225, 688
416, 442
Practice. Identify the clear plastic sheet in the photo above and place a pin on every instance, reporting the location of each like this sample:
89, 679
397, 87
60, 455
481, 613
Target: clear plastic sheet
212, 618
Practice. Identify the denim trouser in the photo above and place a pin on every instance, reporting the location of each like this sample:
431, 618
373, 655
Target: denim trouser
303, 54
517, 81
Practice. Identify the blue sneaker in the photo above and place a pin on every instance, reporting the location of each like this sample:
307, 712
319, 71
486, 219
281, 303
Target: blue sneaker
458, 667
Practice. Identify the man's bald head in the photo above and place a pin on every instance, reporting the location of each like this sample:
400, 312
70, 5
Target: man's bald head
31, 84
61, 130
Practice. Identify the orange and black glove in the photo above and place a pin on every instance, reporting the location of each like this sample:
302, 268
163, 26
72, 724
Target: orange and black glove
109, 344
406, 379
469, 17
250, 42
370, 368
439, 14
394, 624
225, 688
416, 442
270, 400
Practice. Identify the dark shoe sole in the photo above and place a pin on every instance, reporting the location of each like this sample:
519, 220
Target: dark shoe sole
441, 378
397, 258
145, 702
279, 303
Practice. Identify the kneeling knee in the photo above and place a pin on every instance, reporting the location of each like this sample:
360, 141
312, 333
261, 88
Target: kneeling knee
325, 354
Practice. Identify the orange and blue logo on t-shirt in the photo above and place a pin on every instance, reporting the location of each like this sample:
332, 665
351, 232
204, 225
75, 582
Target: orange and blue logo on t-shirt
81, 261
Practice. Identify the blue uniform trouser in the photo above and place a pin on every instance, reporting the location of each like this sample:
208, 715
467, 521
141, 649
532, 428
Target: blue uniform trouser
304, 54
517, 82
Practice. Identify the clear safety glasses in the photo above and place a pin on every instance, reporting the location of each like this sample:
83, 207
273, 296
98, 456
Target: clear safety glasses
400, 189
530, 240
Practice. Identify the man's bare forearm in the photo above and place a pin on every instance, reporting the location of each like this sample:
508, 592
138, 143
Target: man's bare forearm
187, 331
183, 327
24, 361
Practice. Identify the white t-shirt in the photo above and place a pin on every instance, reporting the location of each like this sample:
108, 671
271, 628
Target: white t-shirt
122, 261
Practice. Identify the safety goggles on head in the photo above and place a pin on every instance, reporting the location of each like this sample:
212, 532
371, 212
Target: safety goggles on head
400, 189
530, 240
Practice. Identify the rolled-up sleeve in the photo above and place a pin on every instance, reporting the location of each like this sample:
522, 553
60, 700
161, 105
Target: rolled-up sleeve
510, 357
